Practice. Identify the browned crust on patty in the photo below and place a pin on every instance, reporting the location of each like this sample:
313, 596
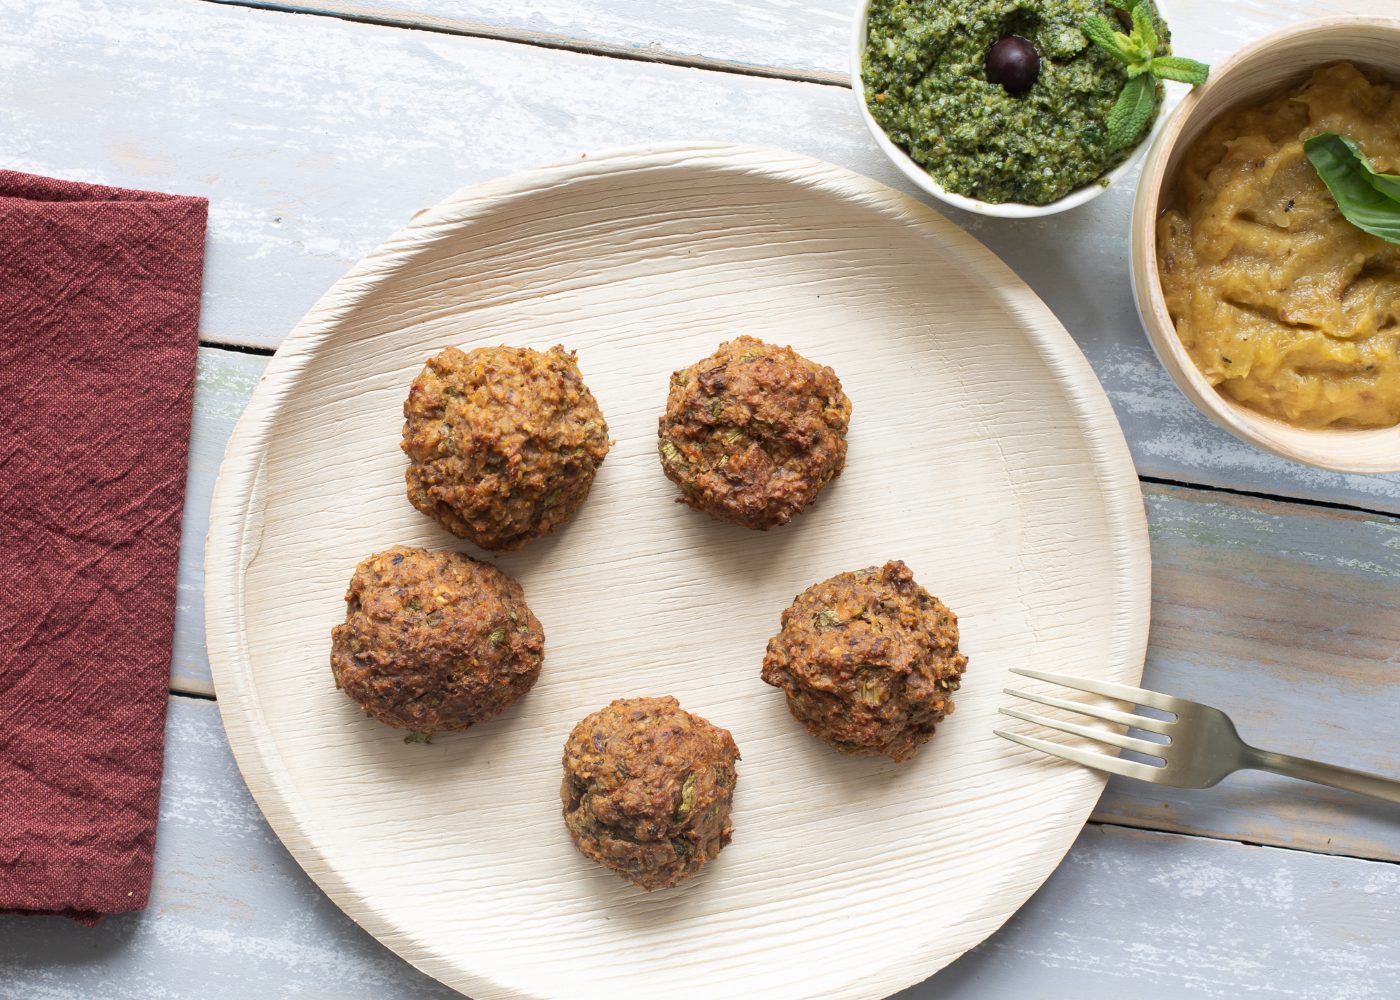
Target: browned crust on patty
648, 789
753, 433
503, 442
869, 661
434, 640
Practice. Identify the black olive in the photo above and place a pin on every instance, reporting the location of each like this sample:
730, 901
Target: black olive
1013, 63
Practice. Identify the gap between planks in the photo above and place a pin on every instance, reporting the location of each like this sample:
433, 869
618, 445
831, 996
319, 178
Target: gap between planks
220, 345
1272, 497
1095, 820
543, 40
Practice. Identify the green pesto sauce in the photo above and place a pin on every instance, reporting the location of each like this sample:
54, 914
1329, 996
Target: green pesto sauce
926, 86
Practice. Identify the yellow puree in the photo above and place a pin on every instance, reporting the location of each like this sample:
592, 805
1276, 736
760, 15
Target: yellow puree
1283, 304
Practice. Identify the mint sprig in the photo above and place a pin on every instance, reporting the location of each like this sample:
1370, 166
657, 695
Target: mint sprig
1137, 51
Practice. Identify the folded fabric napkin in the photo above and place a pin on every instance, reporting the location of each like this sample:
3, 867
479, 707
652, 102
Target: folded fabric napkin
99, 312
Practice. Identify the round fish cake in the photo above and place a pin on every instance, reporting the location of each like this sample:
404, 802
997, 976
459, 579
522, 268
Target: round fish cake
434, 641
503, 442
648, 789
753, 433
869, 661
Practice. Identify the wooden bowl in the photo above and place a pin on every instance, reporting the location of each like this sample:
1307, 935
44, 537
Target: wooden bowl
1002, 210
1279, 59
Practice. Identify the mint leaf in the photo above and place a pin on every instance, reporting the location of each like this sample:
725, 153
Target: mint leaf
1101, 33
1133, 110
1349, 177
1144, 33
1135, 50
1180, 69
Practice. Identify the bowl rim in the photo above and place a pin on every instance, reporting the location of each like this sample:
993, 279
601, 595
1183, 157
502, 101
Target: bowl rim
1007, 209
1316, 447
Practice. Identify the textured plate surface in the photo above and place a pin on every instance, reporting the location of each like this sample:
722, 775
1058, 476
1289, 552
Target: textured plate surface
982, 452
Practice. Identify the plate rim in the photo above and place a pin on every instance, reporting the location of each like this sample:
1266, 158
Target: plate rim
235, 514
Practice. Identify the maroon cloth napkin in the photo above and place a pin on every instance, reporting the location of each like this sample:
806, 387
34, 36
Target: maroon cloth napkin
99, 311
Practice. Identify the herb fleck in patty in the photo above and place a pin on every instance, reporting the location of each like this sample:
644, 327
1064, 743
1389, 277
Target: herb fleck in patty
869, 661
753, 433
503, 442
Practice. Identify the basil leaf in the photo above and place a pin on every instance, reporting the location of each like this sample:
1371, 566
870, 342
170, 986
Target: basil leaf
1348, 176
1180, 69
1132, 111
1386, 184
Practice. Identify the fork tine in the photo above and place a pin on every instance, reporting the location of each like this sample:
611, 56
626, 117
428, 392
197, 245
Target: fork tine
1101, 735
1107, 714
1138, 696
1099, 761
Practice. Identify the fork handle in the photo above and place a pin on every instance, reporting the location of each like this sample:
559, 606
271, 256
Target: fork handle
1345, 778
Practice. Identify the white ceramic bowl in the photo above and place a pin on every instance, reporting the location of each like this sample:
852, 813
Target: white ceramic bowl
1262, 68
1004, 210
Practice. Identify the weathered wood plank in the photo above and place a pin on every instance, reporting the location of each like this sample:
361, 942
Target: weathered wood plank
1288, 619
1286, 616
1128, 914
807, 38
224, 381
1155, 916
315, 138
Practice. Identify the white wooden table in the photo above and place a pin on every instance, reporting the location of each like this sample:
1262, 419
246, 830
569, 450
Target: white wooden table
317, 127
